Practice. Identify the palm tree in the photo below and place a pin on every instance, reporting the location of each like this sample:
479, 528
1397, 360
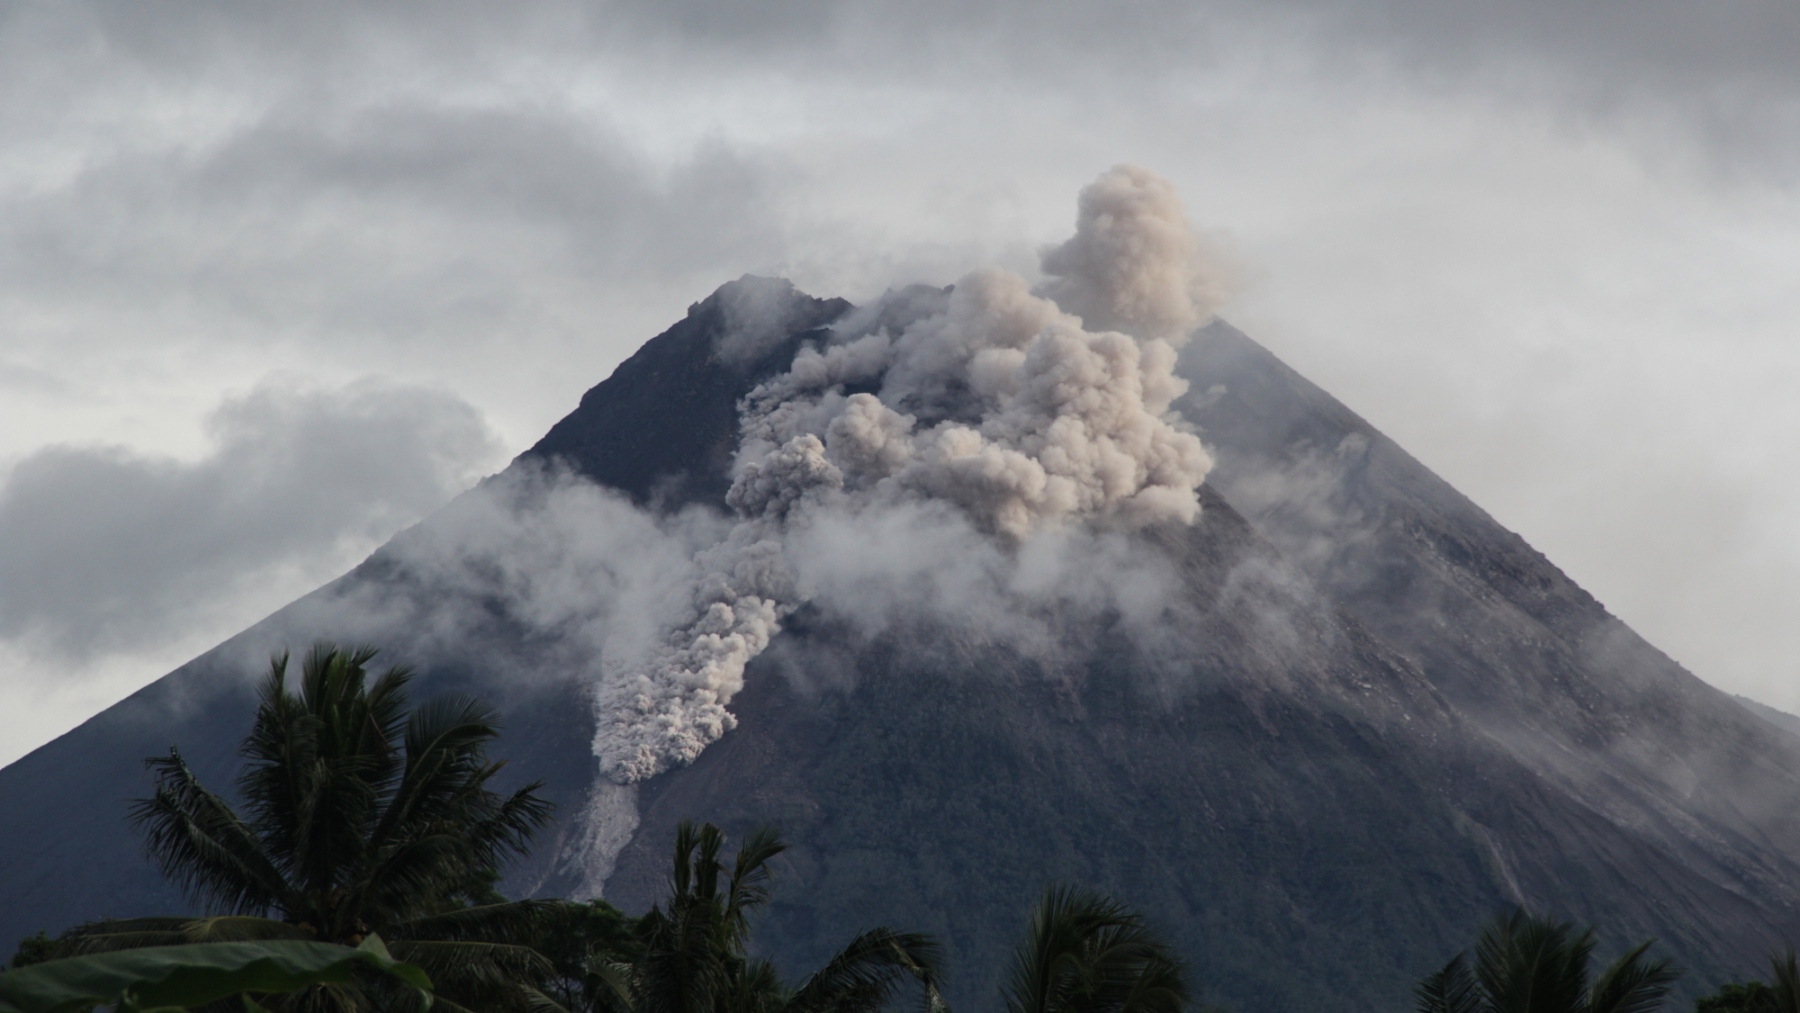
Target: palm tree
694, 946
1085, 953
1538, 965
360, 816
1786, 989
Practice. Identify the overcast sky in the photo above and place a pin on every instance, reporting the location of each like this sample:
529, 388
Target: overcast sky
276, 280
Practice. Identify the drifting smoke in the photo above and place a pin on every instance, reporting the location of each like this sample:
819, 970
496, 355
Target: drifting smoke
1135, 265
534, 570
1019, 413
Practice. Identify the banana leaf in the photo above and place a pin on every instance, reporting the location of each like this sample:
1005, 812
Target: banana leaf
179, 977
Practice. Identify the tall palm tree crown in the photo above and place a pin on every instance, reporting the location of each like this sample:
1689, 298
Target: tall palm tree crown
358, 813
1084, 953
360, 816
694, 945
1784, 968
1525, 964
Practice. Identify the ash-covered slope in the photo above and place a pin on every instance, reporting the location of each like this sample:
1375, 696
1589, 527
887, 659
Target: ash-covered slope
1378, 718
1350, 770
1533, 660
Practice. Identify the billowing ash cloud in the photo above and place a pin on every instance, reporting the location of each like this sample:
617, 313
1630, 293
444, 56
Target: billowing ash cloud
1020, 413
1135, 264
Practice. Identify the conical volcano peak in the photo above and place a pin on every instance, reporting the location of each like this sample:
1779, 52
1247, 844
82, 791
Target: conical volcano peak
996, 426
664, 426
989, 415
978, 588
755, 318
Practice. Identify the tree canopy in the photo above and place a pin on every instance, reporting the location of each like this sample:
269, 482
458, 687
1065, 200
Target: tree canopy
1527, 964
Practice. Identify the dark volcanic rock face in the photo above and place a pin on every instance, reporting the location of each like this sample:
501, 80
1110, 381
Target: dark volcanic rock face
663, 427
1382, 718
1266, 809
1538, 666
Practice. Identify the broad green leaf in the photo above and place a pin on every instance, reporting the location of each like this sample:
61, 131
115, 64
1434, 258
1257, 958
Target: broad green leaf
192, 975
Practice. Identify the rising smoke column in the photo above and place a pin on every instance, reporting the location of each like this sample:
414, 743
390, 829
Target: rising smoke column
1021, 409
1134, 263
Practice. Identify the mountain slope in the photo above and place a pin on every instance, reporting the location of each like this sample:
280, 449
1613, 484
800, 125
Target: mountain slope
1500, 631
1380, 718
1329, 803
653, 428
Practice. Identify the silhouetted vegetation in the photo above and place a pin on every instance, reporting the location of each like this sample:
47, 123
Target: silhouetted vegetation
1781, 994
361, 815
1738, 997
1084, 953
1525, 964
149, 979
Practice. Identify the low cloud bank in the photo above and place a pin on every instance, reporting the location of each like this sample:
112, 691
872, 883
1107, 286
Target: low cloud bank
106, 550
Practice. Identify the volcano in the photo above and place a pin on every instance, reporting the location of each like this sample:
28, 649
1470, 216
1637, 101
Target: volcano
1376, 719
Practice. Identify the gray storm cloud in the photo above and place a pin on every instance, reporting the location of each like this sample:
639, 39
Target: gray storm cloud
103, 549
1023, 413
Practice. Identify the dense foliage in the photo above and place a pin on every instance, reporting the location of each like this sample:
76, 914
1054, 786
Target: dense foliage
1525, 964
1781, 994
694, 947
359, 811
1738, 997
1084, 953
155, 978
360, 815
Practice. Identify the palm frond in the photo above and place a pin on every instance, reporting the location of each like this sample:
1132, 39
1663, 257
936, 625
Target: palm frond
199, 842
686, 963
451, 726
607, 984
755, 988
1156, 982
681, 876
241, 928
478, 974
363, 815
861, 977
1632, 984
536, 1001
1785, 981
279, 741
411, 878
751, 876
317, 763
443, 787
520, 921
450, 960
1451, 989
505, 830
707, 865
109, 935
1533, 965
1085, 953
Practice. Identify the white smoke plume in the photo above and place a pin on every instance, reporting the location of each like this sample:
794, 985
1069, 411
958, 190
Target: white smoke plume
1022, 414
1135, 264
594, 580
673, 706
